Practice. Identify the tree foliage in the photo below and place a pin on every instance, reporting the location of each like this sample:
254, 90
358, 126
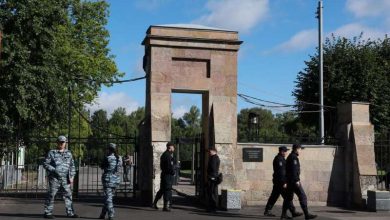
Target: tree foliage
47, 47
354, 70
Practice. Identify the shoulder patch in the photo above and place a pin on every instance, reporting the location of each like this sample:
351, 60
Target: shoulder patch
295, 162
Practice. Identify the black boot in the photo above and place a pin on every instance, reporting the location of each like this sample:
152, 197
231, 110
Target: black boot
285, 216
268, 213
294, 213
166, 207
154, 206
102, 216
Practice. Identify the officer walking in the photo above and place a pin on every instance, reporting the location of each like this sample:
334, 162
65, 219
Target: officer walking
61, 171
280, 183
110, 180
294, 185
167, 165
212, 179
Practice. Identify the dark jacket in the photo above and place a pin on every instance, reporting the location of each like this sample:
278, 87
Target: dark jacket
293, 168
213, 166
167, 163
279, 164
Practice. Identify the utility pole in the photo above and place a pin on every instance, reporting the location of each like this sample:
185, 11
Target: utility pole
321, 70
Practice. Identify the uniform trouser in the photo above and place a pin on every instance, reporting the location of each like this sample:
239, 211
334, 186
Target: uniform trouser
298, 190
165, 190
126, 173
212, 191
387, 181
54, 186
278, 190
108, 207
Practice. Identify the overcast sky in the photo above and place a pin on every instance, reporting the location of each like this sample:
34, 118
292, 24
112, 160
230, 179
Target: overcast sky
278, 35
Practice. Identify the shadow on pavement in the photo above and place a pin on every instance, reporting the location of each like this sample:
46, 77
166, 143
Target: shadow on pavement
20, 215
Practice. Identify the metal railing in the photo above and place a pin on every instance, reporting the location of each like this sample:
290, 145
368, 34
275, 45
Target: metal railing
22, 172
382, 159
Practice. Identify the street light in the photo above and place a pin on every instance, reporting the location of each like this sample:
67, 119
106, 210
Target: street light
253, 124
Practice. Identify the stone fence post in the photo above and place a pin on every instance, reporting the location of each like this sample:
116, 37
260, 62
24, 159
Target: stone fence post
356, 134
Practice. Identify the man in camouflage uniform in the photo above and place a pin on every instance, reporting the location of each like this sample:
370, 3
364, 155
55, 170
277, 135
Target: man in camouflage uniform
61, 170
110, 180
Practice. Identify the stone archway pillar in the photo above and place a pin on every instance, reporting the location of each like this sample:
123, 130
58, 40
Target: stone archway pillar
189, 60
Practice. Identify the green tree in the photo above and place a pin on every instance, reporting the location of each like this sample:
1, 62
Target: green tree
192, 121
268, 125
354, 70
47, 47
118, 121
134, 119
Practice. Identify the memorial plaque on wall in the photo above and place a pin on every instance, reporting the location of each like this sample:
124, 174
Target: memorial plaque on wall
252, 154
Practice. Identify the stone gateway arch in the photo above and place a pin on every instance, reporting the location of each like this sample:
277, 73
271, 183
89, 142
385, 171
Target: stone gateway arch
189, 59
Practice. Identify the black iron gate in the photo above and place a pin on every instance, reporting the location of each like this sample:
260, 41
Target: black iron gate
196, 164
382, 159
22, 172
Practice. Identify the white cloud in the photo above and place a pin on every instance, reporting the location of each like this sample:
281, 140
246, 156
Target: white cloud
300, 41
368, 8
355, 29
112, 101
236, 15
180, 111
361, 9
309, 38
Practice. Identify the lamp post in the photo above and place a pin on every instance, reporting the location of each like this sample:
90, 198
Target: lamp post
253, 124
321, 71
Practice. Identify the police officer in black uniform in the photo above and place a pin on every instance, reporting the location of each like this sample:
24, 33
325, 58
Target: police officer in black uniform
293, 169
212, 179
280, 183
167, 165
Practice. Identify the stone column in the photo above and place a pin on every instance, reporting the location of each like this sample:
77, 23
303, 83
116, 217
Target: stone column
356, 134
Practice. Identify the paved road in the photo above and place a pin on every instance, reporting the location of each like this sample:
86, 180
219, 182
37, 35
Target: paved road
15, 209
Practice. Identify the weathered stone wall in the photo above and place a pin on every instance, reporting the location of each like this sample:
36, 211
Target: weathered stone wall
322, 174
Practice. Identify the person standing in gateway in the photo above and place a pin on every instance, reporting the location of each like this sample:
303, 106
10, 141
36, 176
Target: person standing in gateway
212, 179
167, 165
61, 171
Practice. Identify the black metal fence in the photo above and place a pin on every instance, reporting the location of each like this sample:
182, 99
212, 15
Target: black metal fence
382, 159
22, 172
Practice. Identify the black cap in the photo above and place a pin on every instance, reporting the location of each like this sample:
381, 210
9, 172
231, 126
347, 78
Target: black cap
212, 148
170, 144
111, 146
283, 148
296, 146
